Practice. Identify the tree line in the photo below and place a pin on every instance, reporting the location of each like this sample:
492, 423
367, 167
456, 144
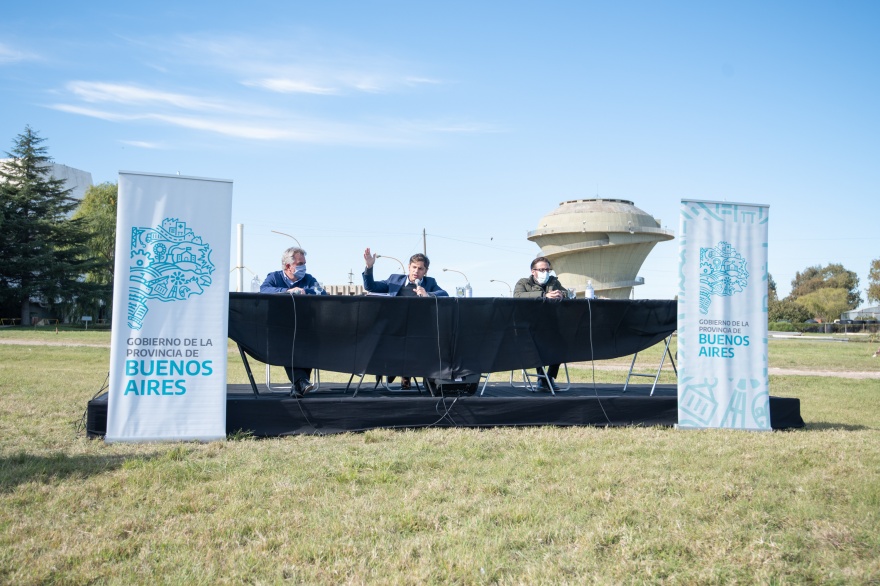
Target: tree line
58, 252
55, 251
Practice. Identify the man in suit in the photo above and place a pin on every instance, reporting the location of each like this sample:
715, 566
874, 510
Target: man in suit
293, 279
413, 284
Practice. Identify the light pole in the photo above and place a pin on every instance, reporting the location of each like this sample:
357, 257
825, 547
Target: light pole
509, 288
468, 291
289, 236
403, 268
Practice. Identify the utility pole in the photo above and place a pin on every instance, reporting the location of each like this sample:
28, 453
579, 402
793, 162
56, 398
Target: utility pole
424, 243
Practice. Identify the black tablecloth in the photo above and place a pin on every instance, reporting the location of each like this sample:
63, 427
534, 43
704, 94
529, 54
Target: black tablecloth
441, 337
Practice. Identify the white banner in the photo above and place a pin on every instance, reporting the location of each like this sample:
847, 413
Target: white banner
170, 309
722, 316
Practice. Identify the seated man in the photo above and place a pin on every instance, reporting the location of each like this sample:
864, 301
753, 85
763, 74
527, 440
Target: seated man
413, 284
293, 279
542, 285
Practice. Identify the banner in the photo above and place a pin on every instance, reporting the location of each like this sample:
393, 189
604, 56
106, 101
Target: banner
170, 309
722, 316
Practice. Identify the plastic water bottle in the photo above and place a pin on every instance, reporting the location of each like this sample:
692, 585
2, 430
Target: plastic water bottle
589, 292
468, 291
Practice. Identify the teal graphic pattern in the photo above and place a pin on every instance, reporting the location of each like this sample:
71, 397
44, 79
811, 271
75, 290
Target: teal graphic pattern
723, 272
168, 263
739, 402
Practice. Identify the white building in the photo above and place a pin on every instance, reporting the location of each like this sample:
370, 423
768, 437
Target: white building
77, 180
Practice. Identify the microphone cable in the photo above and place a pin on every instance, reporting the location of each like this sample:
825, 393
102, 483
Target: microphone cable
593, 362
292, 354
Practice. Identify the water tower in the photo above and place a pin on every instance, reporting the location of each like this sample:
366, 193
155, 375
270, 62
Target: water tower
604, 241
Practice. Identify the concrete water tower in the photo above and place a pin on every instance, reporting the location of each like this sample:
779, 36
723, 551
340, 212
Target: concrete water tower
604, 241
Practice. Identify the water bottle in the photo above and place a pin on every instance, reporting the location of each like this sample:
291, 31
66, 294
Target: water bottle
468, 291
589, 293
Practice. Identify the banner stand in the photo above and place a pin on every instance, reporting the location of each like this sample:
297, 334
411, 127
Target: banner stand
170, 309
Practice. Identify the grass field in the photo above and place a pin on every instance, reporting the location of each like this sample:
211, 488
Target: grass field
498, 506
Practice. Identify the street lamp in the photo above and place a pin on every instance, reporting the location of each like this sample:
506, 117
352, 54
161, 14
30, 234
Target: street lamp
289, 236
394, 259
509, 288
467, 291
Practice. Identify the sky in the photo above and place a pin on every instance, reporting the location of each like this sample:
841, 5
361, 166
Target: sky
357, 123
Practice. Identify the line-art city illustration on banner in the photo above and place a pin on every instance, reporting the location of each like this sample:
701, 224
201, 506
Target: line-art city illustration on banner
168, 263
723, 272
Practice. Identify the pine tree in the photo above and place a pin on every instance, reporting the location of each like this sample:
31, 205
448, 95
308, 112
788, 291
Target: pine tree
42, 249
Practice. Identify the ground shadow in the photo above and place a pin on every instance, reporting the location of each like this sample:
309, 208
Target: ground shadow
823, 425
22, 468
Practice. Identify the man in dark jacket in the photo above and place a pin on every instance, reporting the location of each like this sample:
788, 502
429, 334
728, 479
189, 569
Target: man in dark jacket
293, 279
542, 285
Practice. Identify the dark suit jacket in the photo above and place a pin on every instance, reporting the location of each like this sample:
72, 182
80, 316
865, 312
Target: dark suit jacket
393, 284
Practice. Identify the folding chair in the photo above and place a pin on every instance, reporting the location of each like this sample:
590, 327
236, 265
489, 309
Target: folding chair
528, 376
286, 388
655, 375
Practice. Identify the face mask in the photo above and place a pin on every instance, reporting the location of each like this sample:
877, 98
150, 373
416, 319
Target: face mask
543, 277
299, 272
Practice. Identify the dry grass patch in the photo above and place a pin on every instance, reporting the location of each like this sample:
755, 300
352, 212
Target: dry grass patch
504, 506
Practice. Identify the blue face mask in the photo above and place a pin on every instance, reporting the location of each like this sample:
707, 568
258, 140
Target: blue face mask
299, 272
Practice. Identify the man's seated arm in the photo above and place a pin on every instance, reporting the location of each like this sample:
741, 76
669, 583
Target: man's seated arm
272, 285
523, 290
372, 285
434, 289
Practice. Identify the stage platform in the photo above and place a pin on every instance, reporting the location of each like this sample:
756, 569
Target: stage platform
332, 409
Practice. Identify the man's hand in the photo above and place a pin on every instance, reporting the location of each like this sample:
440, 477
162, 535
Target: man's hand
554, 294
369, 259
420, 291
296, 291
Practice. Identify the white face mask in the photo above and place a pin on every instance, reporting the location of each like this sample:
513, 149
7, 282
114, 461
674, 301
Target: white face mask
542, 277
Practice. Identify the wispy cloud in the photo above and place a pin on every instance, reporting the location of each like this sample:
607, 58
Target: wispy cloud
291, 86
97, 92
143, 144
300, 64
264, 90
11, 55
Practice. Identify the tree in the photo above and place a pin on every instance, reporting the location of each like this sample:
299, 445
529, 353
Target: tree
874, 281
826, 304
772, 294
787, 310
98, 213
833, 276
42, 249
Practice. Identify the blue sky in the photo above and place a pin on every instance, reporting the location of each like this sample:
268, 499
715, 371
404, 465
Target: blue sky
360, 123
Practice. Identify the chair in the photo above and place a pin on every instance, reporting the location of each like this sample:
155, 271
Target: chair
382, 380
286, 388
655, 375
528, 376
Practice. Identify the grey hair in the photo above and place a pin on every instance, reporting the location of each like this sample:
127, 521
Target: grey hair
287, 256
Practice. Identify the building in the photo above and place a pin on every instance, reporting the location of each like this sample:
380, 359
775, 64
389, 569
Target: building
599, 241
76, 180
